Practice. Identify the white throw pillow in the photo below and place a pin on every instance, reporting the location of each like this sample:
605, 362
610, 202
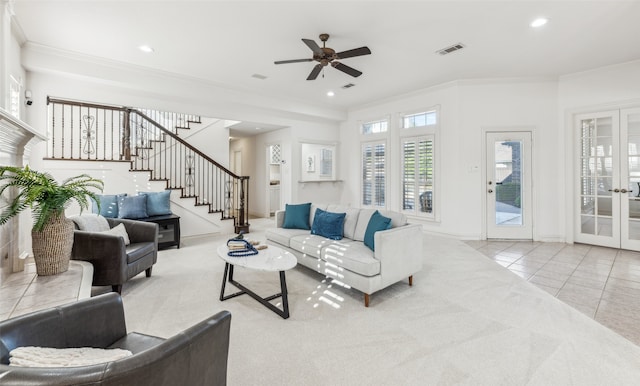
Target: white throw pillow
64, 357
120, 230
90, 222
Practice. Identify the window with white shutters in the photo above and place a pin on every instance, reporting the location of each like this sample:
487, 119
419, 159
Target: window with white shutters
418, 175
373, 174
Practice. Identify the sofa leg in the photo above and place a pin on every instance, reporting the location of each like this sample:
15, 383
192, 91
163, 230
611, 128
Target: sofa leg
148, 271
117, 288
366, 300
410, 280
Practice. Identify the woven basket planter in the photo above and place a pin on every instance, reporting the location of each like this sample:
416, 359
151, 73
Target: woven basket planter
52, 246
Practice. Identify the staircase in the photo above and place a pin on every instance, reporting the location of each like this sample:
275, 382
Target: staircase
149, 140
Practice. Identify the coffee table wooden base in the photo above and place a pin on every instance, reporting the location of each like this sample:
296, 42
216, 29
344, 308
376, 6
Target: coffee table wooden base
228, 277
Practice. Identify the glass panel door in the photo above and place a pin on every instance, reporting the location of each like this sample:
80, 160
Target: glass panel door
508, 185
630, 188
599, 179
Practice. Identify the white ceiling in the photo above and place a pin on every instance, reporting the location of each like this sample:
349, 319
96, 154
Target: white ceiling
226, 42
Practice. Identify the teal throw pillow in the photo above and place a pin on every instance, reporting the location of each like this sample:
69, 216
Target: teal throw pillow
108, 205
377, 222
158, 203
296, 216
132, 207
328, 224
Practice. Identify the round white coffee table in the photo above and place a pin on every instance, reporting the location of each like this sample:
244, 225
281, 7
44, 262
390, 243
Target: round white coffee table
272, 259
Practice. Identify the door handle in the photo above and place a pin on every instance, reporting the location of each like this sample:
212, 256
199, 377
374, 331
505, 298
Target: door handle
626, 191
490, 190
616, 190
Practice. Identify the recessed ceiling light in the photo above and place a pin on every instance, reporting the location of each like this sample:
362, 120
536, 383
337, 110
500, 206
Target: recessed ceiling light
331, 93
539, 22
258, 128
145, 48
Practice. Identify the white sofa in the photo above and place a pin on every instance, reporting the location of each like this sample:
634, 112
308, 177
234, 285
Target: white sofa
397, 255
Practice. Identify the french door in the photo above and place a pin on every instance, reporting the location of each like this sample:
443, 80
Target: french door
508, 188
608, 191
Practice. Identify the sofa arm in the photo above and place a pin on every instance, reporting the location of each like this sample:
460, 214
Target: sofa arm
196, 356
399, 251
105, 252
279, 215
138, 231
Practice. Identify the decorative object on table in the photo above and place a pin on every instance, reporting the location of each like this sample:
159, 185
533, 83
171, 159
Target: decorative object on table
239, 247
52, 232
239, 236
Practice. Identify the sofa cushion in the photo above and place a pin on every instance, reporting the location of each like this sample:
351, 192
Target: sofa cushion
328, 224
397, 219
363, 222
108, 205
297, 216
377, 222
353, 256
310, 244
90, 223
158, 203
312, 212
350, 220
282, 235
133, 207
136, 251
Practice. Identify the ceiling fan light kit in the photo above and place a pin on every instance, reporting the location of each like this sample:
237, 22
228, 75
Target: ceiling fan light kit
327, 56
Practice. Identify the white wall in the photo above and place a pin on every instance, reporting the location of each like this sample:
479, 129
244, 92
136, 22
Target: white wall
466, 109
249, 152
291, 189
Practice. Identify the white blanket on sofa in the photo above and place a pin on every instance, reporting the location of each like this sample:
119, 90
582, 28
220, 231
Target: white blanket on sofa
64, 357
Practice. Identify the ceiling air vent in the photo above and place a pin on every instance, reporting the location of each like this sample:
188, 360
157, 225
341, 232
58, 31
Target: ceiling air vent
258, 76
450, 49
348, 85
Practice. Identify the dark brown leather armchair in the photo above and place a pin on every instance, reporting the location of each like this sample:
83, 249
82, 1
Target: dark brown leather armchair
196, 356
114, 262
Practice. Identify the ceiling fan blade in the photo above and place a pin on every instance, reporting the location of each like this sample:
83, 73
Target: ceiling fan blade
354, 52
346, 69
314, 46
293, 61
314, 73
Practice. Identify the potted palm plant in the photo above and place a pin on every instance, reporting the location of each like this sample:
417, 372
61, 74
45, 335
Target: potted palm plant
52, 232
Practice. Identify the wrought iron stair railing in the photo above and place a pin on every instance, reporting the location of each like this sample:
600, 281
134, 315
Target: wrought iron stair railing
95, 132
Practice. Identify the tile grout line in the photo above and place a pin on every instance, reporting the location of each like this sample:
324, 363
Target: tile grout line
605, 283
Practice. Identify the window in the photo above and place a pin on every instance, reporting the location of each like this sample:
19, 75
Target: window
417, 174
373, 174
428, 118
375, 127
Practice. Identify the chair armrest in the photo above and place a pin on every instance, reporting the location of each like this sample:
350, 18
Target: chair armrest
138, 231
99, 249
196, 356
399, 251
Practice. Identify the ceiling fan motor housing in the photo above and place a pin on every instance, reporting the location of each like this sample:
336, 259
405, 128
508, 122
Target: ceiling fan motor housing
327, 56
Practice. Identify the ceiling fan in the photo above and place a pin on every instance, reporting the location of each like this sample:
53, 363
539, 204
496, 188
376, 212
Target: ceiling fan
325, 56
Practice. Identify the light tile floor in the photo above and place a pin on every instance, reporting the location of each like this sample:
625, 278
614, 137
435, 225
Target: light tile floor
603, 283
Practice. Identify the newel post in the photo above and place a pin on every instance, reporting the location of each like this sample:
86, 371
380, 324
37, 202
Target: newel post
126, 136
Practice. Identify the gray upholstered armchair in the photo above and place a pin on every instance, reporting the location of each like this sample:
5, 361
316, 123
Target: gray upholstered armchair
114, 262
196, 356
